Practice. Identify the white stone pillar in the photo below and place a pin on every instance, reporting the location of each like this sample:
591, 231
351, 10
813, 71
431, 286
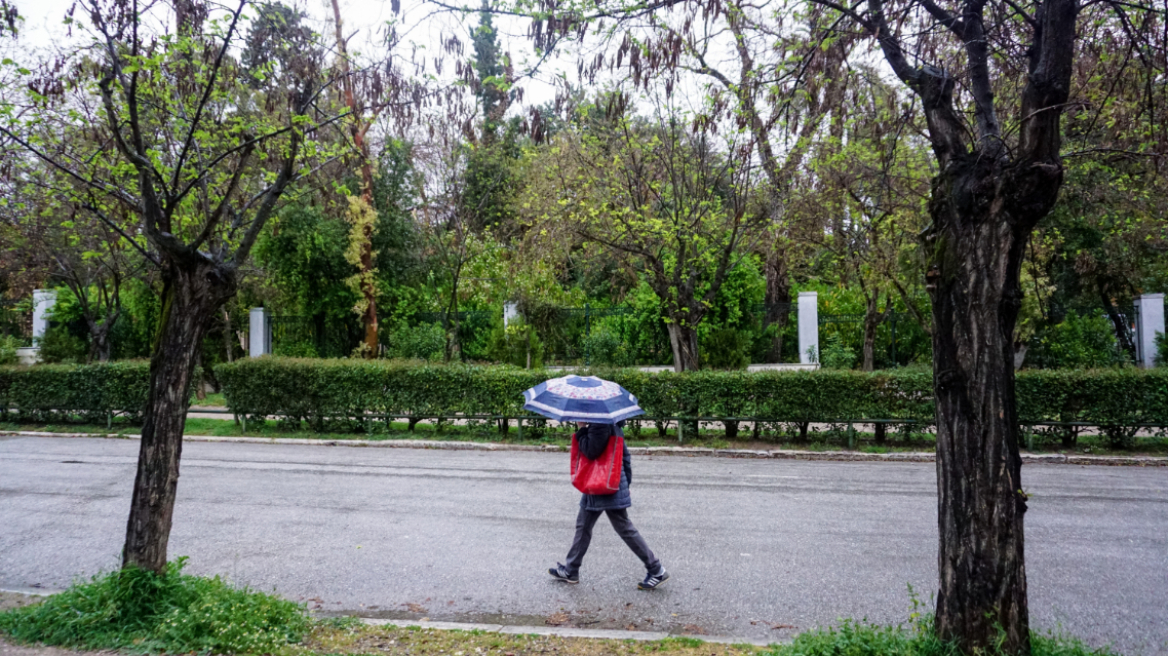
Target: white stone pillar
1150, 322
43, 300
510, 313
808, 327
259, 332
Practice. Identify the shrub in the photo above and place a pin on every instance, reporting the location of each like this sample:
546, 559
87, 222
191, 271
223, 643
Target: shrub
1161, 350
59, 346
8, 346
834, 354
726, 348
170, 613
604, 347
94, 391
423, 342
1079, 341
516, 344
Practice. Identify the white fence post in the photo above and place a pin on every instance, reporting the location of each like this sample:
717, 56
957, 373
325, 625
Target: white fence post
43, 300
1150, 322
510, 313
808, 327
259, 332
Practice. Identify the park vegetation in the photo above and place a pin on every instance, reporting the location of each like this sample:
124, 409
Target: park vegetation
984, 176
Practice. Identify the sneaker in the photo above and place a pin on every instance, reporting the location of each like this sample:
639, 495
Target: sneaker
559, 572
653, 580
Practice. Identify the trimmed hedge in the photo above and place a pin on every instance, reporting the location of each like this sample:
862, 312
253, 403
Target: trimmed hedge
54, 391
323, 392
315, 390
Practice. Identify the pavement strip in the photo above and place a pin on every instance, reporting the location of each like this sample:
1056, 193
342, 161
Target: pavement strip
781, 454
561, 632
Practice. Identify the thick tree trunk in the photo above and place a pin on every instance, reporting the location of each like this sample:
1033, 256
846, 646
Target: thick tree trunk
778, 300
983, 212
1119, 322
100, 348
684, 341
191, 295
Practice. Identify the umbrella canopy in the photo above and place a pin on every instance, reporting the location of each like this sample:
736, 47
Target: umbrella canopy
582, 398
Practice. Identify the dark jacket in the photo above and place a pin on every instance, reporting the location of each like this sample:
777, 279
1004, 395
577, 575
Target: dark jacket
593, 439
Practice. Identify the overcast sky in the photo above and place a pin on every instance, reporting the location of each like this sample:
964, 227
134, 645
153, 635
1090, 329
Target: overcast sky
423, 24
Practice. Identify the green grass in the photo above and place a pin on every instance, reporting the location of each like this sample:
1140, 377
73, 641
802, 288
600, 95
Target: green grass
852, 638
215, 400
338, 430
142, 611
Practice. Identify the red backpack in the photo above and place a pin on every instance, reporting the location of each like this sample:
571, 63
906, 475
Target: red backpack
600, 476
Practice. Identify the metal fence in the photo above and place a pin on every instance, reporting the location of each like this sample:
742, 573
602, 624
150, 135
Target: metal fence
315, 337
618, 336
899, 340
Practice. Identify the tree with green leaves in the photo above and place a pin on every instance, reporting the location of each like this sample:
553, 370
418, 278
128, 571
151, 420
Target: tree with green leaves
666, 198
995, 80
187, 164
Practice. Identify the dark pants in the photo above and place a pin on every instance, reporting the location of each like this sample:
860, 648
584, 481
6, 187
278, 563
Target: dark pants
624, 528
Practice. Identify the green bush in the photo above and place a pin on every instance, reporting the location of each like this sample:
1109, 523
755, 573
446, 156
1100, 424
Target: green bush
8, 346
48, 392
59, 346
1161, 350
1078, 342
423, 342
834, 354
604, 347
726, 348
169, 613
517, 344
324, 392
316, 390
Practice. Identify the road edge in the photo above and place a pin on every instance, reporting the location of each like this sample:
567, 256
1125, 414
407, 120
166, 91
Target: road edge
683, 451
514, 629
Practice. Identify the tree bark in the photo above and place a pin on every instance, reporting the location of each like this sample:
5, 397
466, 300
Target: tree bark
1119, 322
872, 320
778, 300
684, 340
191, 295
358, 127
983, 211
100, 348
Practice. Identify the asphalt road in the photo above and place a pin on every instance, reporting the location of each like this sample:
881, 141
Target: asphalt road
468, 536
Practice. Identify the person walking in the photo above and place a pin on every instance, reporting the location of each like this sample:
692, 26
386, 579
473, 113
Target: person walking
592, 439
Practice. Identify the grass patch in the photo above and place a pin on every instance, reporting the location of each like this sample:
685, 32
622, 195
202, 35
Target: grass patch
215, 399
829, 439
847, 639
852, 638
141, 611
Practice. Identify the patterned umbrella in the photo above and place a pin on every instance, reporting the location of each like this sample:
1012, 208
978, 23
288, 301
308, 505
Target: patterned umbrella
582, 398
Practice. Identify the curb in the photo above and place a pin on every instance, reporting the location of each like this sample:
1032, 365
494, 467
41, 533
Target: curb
591, 634
691, 452
513, 629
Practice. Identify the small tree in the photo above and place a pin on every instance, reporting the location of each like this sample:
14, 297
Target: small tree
665, 198
186, 156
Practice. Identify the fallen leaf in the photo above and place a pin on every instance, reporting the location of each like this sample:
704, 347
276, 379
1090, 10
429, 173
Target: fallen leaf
631, 627
414, 608
556, 619
694, 629
782, 626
